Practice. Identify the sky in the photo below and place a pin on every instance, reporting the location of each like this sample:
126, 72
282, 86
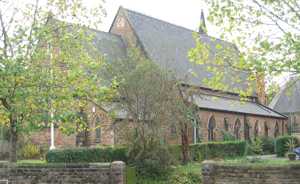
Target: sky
184, 13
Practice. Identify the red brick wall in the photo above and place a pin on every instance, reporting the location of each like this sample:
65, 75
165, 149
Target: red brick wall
42, 138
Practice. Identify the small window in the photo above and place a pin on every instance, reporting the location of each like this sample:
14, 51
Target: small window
266, 129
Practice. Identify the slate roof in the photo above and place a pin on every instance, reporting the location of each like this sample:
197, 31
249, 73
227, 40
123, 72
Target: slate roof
109, 45
234, 105
168, 46
288, 99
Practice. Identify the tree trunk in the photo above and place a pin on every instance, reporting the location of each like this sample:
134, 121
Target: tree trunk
185, 144
13, 139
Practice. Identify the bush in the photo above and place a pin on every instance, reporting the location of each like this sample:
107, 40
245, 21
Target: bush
176, 153
154, 163
185, 178
255, 147
210, 150
227, 136
268, 145
87, 155
30, 151
280, 145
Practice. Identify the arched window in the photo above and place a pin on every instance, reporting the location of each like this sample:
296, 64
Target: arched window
266, 129
237, 127
173, 130
226, 124
197, 132
211, 127
98, 129
256, 129
276, 130
287, 130
282, 127
247, 130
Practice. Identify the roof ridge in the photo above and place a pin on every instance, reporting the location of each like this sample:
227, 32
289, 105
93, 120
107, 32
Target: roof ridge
172, 24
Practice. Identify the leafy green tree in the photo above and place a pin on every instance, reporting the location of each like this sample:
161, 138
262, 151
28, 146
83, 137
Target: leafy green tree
46, 73
266, 32
154, 101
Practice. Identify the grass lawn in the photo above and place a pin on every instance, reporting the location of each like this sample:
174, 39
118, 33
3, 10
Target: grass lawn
192, 168
31, 162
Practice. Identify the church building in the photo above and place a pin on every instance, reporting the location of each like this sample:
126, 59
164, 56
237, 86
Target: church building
168, 45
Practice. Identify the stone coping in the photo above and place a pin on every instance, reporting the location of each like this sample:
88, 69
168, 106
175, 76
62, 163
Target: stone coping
249, 165
55, 165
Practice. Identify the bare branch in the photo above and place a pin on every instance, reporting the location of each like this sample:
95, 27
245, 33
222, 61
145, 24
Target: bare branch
292, 8
32, 28
271, 13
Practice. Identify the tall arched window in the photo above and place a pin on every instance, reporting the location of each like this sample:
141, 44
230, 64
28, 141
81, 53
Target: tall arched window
173, 130
256, 129
98, 129
237, 127
276, 130
226, 124
247, 130
211, 127
266, 129
197, 132
282, 127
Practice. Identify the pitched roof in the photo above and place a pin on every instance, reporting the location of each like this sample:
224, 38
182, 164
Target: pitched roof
288, 99
233, 105
110, 46
168, 45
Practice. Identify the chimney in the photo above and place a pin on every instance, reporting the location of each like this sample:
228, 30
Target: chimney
202, 26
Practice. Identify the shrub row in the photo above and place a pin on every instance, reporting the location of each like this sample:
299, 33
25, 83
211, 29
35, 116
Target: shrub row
281, 145
198, 152
210, 150
86, 155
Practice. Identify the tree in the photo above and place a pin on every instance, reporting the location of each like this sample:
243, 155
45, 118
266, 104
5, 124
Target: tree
154, 101
266, 31
46, 72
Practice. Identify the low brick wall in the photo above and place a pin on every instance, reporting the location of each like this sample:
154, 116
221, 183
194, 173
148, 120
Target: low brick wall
214, 173
113, 173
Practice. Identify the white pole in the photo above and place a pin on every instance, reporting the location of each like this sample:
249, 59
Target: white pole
52, 146
195, 135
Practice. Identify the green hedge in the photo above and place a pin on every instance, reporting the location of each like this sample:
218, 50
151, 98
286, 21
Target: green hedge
268, 145
176, 152
280, 145
87, 155
210, 150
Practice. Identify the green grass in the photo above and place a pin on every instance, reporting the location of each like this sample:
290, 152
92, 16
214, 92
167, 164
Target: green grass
193, 168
